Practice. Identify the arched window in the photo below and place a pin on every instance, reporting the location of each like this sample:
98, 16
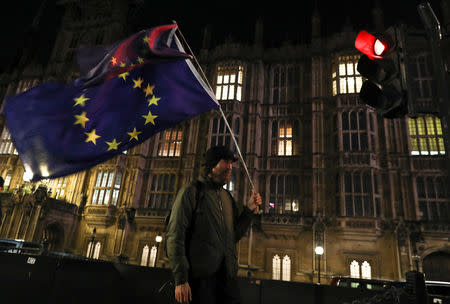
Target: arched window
276, 267
153, 252
354, 269
286, 268
93, 251
366, 272
144, 258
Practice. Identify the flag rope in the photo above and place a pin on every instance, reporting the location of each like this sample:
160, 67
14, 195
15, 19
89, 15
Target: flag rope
220, 108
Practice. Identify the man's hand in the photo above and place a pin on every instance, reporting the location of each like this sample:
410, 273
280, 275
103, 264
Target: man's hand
183, 293
255, 201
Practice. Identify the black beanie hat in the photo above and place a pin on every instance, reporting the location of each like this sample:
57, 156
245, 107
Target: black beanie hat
215, 154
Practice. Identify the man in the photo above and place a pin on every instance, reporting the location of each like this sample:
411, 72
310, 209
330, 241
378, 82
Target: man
202, 235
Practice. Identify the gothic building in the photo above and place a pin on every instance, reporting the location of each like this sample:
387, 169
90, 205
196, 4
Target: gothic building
332, 172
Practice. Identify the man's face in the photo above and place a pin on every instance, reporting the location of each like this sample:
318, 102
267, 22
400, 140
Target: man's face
221, 173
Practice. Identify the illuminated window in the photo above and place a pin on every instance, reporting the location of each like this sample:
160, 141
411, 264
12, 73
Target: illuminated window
363, 271
284, 194
286, 84
147, 260
361, 194
434, 198
229, 82
354, 269
285, 138
366, 272
220, 135
425, 133
93, 251
7, 181
276, 267
170, 142
162, 191
346, 79
58, 187
358, 133
6, 145
107, 188
286, 268
145, 256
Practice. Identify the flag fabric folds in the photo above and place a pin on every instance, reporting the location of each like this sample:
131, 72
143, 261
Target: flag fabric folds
131, 93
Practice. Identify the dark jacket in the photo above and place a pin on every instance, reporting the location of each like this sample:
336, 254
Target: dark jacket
197, 245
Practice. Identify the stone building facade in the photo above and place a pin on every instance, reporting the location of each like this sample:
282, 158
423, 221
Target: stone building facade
372, 192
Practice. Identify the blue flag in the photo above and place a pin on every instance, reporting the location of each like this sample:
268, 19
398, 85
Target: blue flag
136, 89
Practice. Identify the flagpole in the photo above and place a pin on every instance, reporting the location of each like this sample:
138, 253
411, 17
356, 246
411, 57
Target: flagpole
220, 108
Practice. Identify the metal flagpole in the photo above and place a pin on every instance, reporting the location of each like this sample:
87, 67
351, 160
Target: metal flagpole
220, 109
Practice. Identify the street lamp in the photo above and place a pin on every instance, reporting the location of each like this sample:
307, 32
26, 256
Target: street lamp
158, 240
319, 252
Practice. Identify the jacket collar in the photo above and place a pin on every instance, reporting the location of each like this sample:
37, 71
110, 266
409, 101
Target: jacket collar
209, 182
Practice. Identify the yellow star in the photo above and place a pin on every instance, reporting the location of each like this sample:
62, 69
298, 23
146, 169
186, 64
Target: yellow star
149, 118
114, 61
113, 145
81, 119
122, 64
91, 136
145, 39
140, 60
124, 75
149, 90
134, 134
80, 100
153, 100
137, 83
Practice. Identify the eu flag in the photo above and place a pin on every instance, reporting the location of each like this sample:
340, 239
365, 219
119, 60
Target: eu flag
131, 91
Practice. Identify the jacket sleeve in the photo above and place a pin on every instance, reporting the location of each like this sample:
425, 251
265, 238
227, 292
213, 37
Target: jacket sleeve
180, 220
243, 218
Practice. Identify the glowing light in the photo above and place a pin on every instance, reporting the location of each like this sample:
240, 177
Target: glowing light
44, 170
28, 174
379, 47
319, 250
367, 44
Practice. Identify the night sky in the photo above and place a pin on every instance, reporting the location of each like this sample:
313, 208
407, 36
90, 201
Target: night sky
235, 19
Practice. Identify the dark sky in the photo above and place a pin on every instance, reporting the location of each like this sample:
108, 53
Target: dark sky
282, 19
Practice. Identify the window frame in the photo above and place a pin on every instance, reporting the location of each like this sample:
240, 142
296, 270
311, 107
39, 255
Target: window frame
280, 140
229, 81
342, 72
101, 187
162, 191
278, 190
285, 84
433, 198
170, 142
421, 143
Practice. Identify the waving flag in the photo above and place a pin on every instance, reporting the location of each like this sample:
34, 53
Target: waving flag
139, 87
